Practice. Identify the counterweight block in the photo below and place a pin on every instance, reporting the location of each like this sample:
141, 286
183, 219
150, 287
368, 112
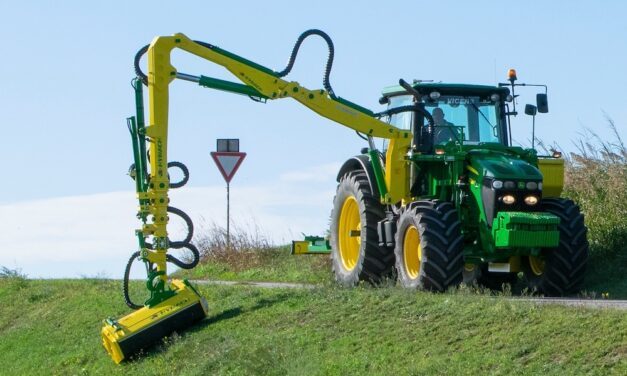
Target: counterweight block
143, 328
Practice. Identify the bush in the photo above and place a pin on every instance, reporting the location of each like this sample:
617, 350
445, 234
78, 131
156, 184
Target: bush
247, 248
6, 273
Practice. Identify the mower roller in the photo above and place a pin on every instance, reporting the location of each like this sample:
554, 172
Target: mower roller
447, 199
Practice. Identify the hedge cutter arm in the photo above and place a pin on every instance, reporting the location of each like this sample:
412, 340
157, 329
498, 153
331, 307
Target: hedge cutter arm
174, 305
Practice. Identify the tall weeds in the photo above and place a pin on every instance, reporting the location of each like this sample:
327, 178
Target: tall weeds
596, 179
244, 249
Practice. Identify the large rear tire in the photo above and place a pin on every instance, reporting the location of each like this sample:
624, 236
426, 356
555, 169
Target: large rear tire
560, 271
355, 252
429, 246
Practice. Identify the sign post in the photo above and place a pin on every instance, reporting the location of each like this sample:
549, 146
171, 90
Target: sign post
228, 159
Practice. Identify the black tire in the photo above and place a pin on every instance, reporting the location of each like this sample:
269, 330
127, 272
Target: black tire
564, 266
440, 242
370, 262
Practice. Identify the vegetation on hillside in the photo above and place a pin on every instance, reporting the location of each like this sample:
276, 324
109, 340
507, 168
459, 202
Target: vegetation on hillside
52, 327
596, 178
251, 256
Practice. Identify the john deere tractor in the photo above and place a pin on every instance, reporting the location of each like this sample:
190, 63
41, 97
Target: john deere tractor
448, 198
475, 208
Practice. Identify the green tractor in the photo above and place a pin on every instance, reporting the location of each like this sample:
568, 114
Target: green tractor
449, 200
481, 210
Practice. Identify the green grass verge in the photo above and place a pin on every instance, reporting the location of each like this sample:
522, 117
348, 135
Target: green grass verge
52, 327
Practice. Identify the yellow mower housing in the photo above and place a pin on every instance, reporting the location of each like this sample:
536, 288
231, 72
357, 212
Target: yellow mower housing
129, 334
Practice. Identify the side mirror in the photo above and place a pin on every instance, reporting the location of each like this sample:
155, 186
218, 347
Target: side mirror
543, 103
531, 109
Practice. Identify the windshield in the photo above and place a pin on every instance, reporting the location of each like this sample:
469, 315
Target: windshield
477, 118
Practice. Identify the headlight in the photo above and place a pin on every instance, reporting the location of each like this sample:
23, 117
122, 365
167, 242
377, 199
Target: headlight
531, 200
532, 185
509, 98
508, 199
509, 185
495, 97
497, 184
435, 95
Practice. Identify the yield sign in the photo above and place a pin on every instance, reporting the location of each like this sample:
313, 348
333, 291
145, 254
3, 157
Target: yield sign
228, 163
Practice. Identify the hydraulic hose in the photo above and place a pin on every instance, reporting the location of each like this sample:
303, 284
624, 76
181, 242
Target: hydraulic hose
398, 110
185, 172
188, 222
182, 264
290, 64
127, 273
138, 71
327, 70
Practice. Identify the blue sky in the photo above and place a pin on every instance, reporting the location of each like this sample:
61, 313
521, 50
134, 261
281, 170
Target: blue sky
66, 92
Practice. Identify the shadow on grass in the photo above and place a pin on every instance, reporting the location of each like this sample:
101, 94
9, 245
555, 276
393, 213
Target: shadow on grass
607, 276
162, 345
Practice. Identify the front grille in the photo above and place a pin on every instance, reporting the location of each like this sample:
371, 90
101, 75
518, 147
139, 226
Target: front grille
492, 205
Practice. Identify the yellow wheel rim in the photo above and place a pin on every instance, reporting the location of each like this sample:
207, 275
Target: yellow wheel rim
349, 233
412, 252
469, 267
537, 265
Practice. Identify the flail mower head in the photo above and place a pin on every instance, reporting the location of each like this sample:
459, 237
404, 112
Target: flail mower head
143, 328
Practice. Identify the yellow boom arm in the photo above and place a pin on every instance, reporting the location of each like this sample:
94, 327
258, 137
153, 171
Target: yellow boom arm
269, 85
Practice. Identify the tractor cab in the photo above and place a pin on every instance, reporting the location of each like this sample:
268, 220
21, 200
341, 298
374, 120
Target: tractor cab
461, 114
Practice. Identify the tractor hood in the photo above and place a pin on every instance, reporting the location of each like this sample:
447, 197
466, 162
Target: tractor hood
502, 166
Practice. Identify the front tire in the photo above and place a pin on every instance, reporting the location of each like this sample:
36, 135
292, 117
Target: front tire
429, 246
560, 271
355, 251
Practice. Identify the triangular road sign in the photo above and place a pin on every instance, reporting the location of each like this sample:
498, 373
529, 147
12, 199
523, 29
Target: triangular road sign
228, 163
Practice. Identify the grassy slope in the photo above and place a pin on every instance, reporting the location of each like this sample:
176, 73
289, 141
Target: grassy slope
53, 327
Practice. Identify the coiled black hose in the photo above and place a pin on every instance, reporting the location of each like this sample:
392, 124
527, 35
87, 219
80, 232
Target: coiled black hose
290, 64
132, 173
182, 264
185, 172
138, 71
327, 69
188, 223
127, 273
185, 243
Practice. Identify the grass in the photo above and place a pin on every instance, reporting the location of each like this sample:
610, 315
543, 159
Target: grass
250, 256
276, 265
54, 326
